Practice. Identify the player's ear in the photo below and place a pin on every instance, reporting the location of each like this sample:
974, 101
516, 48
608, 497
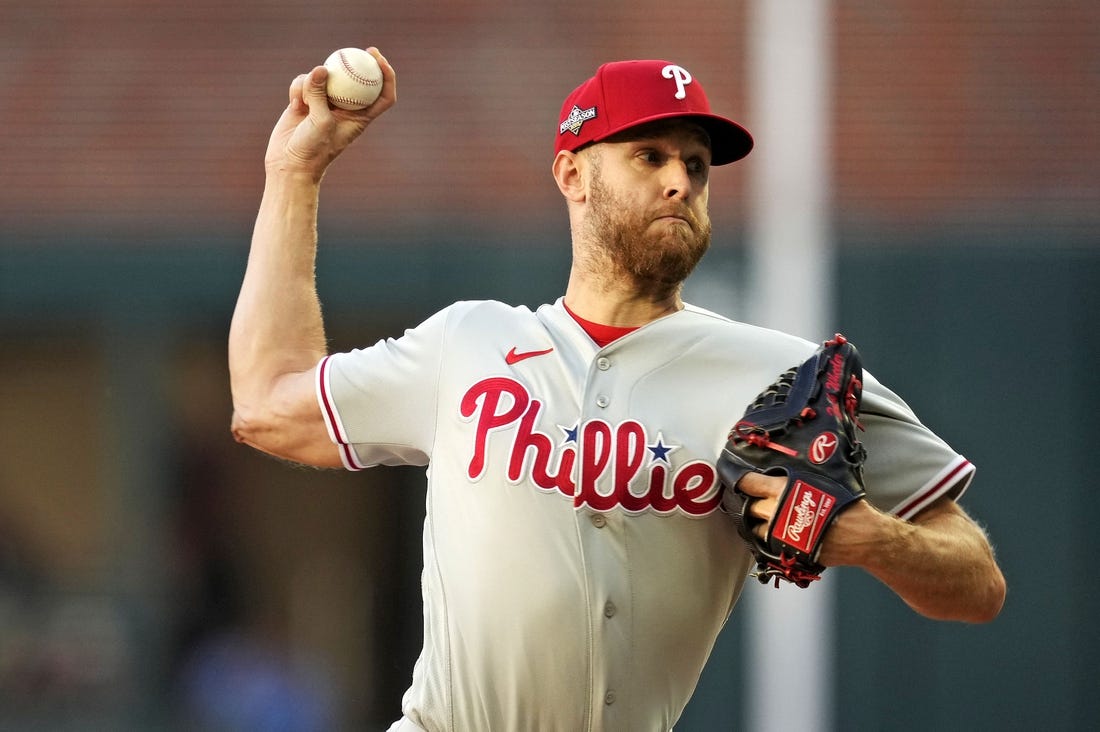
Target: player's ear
568, 171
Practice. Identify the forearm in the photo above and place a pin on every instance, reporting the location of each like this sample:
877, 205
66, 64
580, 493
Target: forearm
277, 327
941, 565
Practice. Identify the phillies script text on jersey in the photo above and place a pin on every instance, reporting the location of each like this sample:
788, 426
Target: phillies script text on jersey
632, 465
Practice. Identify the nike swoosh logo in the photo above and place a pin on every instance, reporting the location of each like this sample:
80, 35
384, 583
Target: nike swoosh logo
512, 357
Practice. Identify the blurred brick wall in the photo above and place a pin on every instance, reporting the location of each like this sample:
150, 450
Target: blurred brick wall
130, 114
982, 111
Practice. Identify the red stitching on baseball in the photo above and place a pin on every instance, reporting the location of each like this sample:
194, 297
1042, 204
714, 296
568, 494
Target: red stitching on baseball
352, 73
346, 100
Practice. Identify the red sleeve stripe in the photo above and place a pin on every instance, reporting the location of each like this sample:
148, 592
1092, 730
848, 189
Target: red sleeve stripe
350, 459
336, 431
332, 419
953, 480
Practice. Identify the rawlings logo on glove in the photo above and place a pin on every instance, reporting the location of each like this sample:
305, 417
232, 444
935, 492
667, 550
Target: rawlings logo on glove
803, 427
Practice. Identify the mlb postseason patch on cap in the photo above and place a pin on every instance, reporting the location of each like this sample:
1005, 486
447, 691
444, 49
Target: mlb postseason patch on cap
576, 119
623, 94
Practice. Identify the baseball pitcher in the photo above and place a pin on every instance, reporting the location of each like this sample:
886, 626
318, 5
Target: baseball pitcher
601, 470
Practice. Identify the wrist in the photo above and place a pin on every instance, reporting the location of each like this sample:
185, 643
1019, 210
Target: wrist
862, 536
283, 174
292, 188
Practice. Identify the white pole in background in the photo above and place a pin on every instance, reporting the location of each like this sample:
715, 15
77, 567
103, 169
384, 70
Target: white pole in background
789, 642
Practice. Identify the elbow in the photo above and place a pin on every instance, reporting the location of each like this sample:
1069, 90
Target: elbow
977, 602
238, 427
243, 428
994, 598
248, 429
292, 438
991, 590
983, 604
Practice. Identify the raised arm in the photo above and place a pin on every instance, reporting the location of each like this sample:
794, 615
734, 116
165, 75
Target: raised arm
277, 334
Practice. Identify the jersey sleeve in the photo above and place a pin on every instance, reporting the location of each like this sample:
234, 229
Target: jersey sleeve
908, 466
379, 403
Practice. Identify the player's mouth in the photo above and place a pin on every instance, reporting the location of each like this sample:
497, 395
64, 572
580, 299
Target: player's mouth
675, 218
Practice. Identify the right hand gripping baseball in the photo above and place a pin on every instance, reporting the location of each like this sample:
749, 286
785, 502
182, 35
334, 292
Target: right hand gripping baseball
802, 427
310, 134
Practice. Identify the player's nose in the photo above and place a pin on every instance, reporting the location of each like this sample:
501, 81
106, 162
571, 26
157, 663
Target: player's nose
676, 179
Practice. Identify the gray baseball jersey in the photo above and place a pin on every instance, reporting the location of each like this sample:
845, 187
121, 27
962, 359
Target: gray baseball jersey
577, 567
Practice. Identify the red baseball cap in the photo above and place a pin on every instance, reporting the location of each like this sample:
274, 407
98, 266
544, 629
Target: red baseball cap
623, 94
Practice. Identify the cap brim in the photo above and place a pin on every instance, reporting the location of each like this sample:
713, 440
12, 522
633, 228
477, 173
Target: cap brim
729, 141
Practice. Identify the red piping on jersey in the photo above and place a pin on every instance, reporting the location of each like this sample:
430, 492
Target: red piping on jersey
351, 461
330, 413
937, 489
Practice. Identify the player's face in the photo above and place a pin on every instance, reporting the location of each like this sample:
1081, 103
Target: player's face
647, 205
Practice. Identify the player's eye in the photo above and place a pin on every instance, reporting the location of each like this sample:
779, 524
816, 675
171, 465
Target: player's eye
698, 166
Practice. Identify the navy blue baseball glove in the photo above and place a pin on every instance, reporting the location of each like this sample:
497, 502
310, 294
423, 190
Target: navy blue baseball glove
804, 427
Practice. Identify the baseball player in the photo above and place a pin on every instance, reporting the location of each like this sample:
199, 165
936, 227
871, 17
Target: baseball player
577, 566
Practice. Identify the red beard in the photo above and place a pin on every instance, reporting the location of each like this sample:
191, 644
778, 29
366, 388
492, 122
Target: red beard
657, 255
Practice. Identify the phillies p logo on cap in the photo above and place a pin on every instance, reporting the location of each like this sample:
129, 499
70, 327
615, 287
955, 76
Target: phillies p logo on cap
680, 75
623, 94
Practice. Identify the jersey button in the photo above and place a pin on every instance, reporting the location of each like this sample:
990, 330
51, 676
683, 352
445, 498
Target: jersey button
602, 401
603, 364
609, 609
599, 521
609, 697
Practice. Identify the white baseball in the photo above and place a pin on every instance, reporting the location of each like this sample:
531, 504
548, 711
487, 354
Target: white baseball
354, 78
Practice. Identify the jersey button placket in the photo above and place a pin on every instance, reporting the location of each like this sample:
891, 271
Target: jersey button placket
610, 573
